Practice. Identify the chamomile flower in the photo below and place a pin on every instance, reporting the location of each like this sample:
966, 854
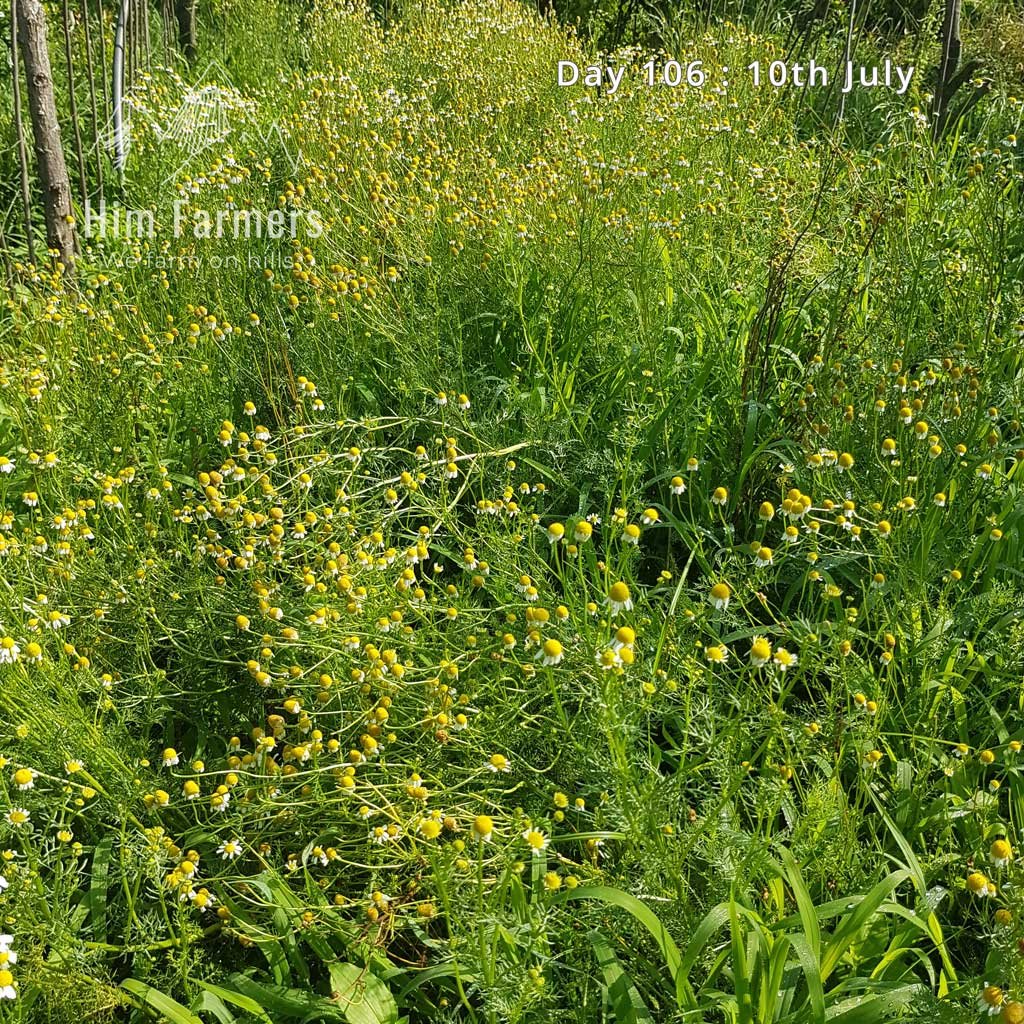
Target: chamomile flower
203, 900
430, 828
991, 999
872, 759
1013, 1011
498, 763
719, 596
624, 637
716, 654
9, 650
1001, 853
979, 885
230, 849
536, 840
784, 659
760, 651
55, 619
551, 652
583, 531
619, 598
18, 817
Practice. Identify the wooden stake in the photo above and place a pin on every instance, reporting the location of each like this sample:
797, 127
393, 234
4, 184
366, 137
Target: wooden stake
42, 105
26, 191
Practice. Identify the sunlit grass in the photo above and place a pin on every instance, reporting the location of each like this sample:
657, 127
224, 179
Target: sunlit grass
581, 583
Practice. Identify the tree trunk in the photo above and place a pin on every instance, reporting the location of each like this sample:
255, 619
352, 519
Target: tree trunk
185, 13
53, 172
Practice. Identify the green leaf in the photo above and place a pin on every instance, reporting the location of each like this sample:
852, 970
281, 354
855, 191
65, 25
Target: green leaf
429, 973
290, 1003
740, 971
99, 881
877, 1008
250, 1006
913, 866
164, 1006
646, 917
812, 972
214, 1004
804, 904
363, 997
625, 999
772, 986
713, 921
851, 924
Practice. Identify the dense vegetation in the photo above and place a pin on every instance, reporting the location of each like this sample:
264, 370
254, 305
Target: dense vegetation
581, 582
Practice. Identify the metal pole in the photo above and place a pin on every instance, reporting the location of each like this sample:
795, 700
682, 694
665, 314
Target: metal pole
117, 89
70, 64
